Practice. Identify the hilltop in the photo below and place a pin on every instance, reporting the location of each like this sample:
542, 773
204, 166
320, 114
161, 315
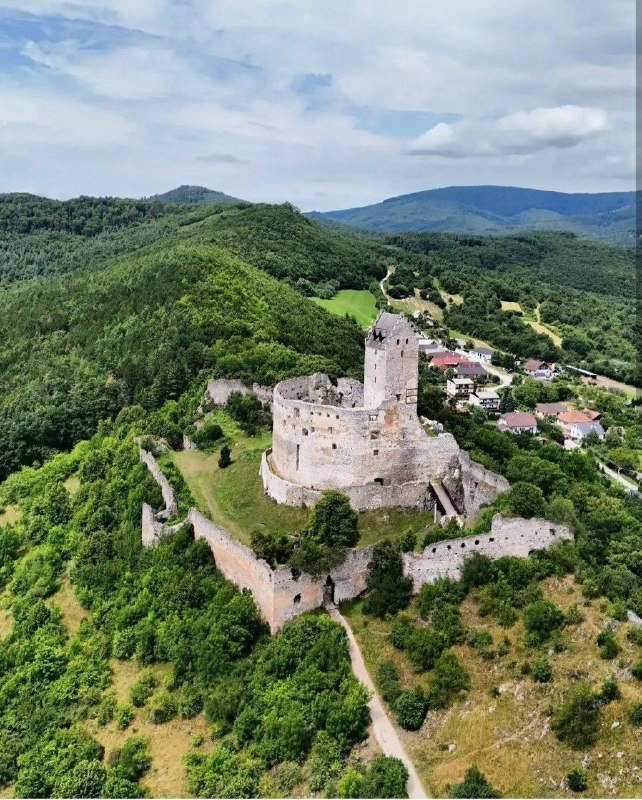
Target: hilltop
194, 195
495, 209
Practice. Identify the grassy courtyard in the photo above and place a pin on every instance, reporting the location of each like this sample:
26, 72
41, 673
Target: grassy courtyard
234, 498
358, 303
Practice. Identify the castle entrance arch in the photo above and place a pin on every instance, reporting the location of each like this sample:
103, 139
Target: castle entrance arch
328, 591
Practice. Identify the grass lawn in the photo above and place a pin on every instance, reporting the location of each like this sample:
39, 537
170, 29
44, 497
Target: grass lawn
509, 736
359, 303
234, 498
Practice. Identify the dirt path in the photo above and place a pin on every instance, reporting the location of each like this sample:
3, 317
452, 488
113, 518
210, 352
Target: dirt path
382, 728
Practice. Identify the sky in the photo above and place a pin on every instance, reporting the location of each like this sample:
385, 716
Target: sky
323, 103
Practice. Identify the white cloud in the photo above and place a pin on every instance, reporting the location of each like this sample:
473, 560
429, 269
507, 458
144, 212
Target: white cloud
209, 93
518, 134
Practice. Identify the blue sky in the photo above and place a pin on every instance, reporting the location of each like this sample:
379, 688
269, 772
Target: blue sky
325, 104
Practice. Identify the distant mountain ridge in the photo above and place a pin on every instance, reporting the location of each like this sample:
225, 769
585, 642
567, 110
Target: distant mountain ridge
496, 209
194, 195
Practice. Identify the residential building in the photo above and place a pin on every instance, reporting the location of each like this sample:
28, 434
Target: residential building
482, 353
579, 430
473, 370
444, 363
459, 388
569, 418
518, 422
488, 399
550, 409
539, 370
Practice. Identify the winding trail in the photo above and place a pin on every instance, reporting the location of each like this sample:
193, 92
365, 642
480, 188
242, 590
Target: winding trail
629, 485
382, 728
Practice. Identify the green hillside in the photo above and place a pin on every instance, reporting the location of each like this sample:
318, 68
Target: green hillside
195, 195
494, 209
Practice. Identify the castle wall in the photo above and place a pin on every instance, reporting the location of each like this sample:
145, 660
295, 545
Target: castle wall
472, 485
508, 537
171, 506
321, 446
219, 390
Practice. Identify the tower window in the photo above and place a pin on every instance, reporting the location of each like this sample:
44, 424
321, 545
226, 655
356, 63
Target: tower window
402, 353
375, 452
397, 341
330, 429
305, 431
334, 445
374, 434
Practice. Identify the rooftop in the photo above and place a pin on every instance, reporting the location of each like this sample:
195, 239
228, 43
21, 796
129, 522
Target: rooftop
518, 419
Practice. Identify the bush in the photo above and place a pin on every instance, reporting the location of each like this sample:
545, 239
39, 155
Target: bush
134, 759
124, 644
541, 670
401, 631
162, 708
450, 678
385, 777
577, 780
444, 590
143, 689
390, 590
478, 570
124, 717
106, 709
208, 435
474, 785
424, 647
225, 457
636, 670
635, 714
610, 691
526, 500
608, 646
388, 682
541, 618
576, 722
411, 708
190, 702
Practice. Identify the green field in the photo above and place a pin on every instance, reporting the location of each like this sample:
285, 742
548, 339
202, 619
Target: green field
234, 497
359, 303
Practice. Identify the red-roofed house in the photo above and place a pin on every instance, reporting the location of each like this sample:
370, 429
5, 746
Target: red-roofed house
446, 362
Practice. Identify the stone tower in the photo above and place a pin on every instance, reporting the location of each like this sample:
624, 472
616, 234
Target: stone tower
391, 362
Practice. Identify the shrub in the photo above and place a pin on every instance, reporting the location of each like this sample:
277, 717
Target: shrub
162, 708
443, 590
390, 590
526, 500
385, 777
636, 670
225, 457
576, 722
478, 570
635, 714
411, 708
541, 670
541, 618
577, 779
124, 644
190, 702
424, 647
143, 689
448, 625
608, 646
106, 709
449, 679
400, 631
208, 435
388, 682
474, 785
610, 691
124, 717
408, 541
134, 759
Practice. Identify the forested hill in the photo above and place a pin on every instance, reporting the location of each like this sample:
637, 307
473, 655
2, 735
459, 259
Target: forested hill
493, 209
193, 195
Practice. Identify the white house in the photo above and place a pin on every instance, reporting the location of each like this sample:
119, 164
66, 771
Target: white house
517, 422
482, 353
488, 399
579, 430
459, 388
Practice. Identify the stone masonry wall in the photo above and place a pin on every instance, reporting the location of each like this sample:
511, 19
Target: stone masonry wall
507, 537
219, 390
171, 506
473, 486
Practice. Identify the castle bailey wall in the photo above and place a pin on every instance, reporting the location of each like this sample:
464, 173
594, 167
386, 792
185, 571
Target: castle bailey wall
219, 390
473, 486
322, 446
508, 537
171, 506
413, 494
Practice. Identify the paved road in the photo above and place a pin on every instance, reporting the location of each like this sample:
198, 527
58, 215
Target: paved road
628, 484
382, 728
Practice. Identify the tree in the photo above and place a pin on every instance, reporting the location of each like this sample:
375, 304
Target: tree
390, 591
474, 785
332, 527
541, 618
576, 722
450, 678
411, 707
225, 459
577, 779
526, 500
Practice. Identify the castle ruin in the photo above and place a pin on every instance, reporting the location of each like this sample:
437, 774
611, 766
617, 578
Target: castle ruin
366, 440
